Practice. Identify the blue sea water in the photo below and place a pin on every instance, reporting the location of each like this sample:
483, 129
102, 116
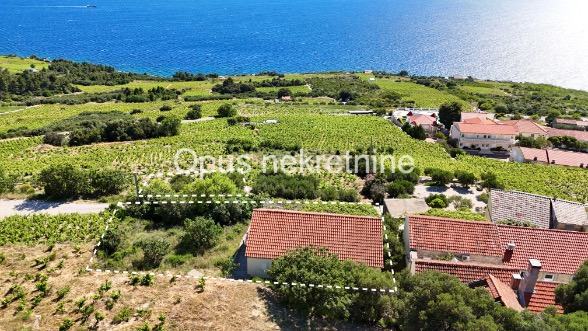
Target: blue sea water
522, 40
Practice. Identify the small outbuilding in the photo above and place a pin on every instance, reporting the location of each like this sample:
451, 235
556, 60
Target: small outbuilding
274, 232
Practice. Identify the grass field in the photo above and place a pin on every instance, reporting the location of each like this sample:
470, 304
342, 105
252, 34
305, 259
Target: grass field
422, 96
483, 90
17, 64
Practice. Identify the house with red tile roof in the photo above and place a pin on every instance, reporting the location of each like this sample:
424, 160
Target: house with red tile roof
483, 136
427, 122
549, 156
273, 232
529, 261
478, 132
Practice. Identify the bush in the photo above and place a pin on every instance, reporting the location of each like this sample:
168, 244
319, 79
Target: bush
165, 108
227, 266
399, 188
201, 233
169, 126
111, 241
483, 197
489, 180
436, 201
136, 111
226, 110
154, 250
107, 182
194, 113
460, 203
62, 181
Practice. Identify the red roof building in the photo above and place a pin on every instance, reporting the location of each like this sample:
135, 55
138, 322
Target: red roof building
274, 232
532, 260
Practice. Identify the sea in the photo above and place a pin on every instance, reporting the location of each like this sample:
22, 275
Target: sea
542, 41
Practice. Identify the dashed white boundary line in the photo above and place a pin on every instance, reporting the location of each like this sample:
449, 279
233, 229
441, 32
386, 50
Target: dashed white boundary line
244, 201
251, 281
389, 254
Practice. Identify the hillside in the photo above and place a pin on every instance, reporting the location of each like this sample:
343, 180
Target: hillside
221, 305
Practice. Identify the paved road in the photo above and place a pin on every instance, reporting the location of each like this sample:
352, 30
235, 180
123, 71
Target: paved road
24, 207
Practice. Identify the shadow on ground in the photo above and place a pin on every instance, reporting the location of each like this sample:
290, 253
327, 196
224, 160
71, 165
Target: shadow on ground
288, 319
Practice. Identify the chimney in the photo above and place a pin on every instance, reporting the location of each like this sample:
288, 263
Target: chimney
510, 247
515, 280
528, 281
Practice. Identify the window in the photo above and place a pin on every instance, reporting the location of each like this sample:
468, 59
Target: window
548, 277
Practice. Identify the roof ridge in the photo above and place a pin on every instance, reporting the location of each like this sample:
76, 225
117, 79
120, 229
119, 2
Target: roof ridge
578, 233
473, 264
289, 211
440, 218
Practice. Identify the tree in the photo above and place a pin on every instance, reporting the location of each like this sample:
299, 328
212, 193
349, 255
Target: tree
201, 233
465, 178
441, 177
319, 266
403, 73
450, 112
226, 110
574, 295
283, 92
345, 96
438, 301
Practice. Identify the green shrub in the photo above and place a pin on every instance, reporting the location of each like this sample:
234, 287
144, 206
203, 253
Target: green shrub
122, 316
226, 110
201, 233
111, 241
165, 108
66, 325
154, 250
399, 188
194, 113
436, 201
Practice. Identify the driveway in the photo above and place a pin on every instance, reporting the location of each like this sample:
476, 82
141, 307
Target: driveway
25, 207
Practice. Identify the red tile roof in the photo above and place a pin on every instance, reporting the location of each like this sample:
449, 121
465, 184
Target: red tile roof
432, 233
274, 232
542, 297
478, 120
567, 158
534, 154
580, 135
420, 119
467, 272
555, 156
500, 291
527, 126
496, 129
559, 251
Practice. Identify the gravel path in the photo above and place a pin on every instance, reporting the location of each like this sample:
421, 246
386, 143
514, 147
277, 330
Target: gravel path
25, 207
